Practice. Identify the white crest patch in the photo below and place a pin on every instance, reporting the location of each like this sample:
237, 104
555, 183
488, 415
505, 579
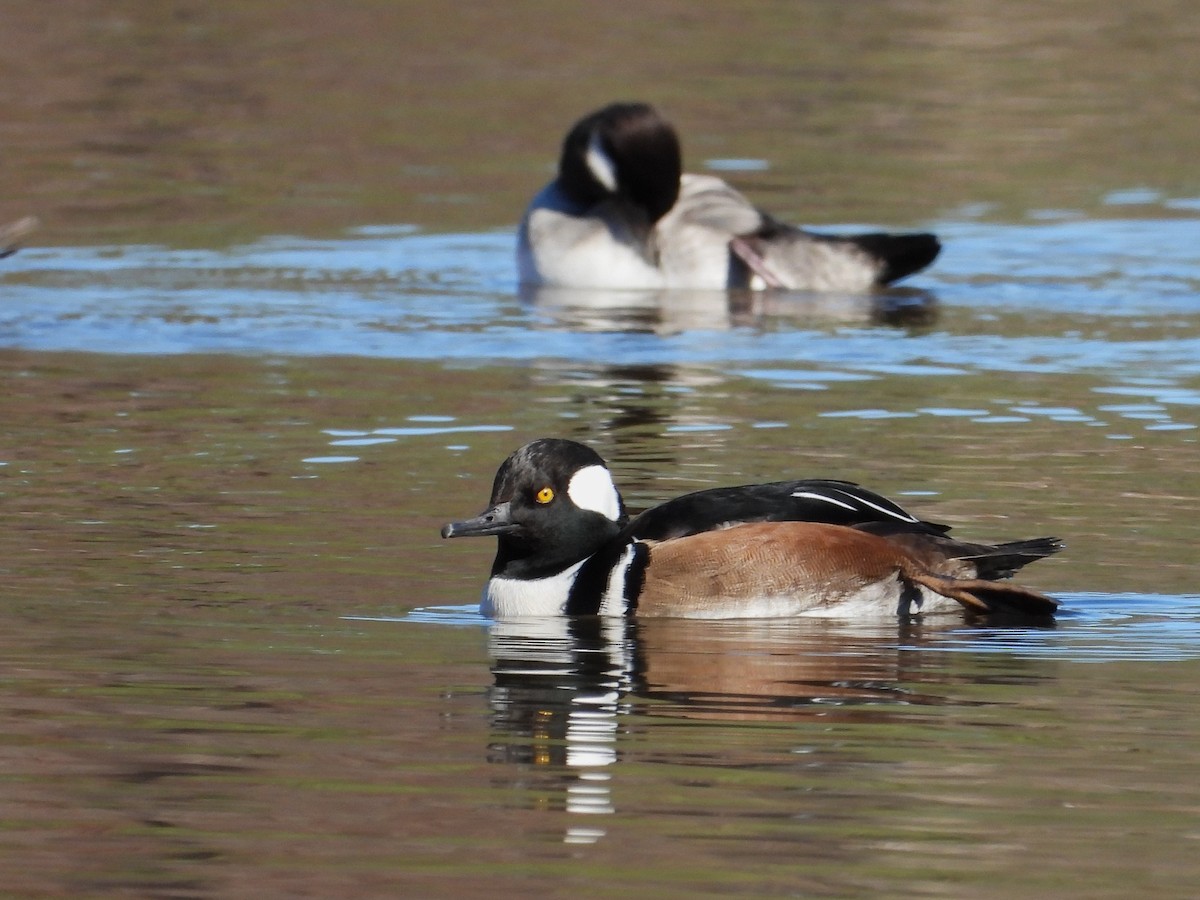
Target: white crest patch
592, 488
601, 164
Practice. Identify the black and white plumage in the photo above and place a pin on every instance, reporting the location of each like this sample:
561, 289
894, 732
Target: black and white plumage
623, 214
809, 547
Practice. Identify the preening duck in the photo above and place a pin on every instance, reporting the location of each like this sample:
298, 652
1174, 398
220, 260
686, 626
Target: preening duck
812, 547
622, 214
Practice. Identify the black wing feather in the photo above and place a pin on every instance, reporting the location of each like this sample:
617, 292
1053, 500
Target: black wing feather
807, 500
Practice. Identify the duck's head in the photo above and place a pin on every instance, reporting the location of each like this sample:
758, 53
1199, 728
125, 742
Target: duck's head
553, 504
625, 150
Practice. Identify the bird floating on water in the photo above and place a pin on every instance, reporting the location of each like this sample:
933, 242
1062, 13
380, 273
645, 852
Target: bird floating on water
811, 547
621, 213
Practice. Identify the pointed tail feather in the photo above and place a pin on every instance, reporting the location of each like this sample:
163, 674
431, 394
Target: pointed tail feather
899, 254
983, 596
1002, 560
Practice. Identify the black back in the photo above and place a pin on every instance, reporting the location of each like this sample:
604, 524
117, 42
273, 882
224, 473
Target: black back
806, 500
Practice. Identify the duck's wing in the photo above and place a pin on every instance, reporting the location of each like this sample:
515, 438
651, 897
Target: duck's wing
786, 256
693, 241
807, 500
764, 252
706, 201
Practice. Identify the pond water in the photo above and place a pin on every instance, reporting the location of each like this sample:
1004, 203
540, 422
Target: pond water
237, 657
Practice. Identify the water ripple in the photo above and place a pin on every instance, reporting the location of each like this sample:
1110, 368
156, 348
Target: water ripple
1116, 296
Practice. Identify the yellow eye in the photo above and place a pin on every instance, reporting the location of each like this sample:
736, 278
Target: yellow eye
545, 495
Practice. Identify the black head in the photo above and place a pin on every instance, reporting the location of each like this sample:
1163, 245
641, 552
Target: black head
553, 504
626, 150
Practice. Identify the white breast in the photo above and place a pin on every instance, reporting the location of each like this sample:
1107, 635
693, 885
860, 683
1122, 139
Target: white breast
505, 598
561, 246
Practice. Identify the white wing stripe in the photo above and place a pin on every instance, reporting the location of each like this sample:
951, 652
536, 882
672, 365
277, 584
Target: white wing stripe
903, 517
895, 514
806, 495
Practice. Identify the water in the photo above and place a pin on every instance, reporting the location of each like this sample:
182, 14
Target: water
240, 400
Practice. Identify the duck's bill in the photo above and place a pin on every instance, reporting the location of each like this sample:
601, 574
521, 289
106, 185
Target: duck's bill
497, 520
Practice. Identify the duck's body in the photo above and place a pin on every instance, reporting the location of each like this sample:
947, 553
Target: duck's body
816, 548
622, 214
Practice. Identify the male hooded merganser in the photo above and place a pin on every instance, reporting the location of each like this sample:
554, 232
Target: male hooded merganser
622, 214
811, 547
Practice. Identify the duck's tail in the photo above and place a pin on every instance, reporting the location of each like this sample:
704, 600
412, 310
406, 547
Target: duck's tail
990, 562
985, 597
898, 255
784, 256
1002, 560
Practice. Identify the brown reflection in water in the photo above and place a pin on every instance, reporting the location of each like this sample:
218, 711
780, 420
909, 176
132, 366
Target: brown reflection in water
725, 671
780, 671
206, 123
574, 701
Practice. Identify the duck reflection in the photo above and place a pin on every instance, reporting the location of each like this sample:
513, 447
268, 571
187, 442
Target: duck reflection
559, 685
676, 311
568, 691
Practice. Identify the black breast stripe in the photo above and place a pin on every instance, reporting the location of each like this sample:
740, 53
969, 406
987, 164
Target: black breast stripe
587, 591
635, 577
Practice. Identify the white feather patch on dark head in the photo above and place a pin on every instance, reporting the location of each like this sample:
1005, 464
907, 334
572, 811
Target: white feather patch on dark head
600, 164
592, 488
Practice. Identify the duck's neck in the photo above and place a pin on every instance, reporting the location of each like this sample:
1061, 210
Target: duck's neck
607, 583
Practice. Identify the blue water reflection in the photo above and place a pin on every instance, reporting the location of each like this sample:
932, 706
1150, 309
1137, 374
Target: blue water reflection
1119, 296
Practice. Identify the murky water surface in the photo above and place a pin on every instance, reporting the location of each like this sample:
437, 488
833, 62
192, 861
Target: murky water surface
237, 658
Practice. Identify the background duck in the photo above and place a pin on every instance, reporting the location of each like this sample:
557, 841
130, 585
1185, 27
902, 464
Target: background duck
622, 214
812, 547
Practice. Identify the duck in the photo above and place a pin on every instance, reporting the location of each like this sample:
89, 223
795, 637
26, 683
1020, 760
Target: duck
622, 214
809, 547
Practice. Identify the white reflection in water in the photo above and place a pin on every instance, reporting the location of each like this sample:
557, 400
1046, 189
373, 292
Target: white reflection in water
572, 699
667, 312
560, 687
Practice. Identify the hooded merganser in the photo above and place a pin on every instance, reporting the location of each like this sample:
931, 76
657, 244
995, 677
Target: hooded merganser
622, 214
789, 548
